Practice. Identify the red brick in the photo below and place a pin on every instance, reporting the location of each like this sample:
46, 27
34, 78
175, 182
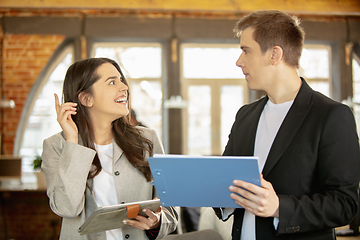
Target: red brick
24, 57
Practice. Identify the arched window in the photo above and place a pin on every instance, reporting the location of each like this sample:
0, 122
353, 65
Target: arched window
38, 120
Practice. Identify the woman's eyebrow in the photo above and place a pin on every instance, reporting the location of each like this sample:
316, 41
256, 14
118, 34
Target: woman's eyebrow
112, 77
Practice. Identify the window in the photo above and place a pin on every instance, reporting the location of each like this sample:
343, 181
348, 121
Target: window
315, 67
356, 89
141, 64
199, 120
215, 89
211, 61
41, 121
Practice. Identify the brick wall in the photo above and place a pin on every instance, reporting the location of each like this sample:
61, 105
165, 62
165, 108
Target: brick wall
23, 59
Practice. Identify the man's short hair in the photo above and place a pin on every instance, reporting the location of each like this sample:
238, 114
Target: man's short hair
275, 28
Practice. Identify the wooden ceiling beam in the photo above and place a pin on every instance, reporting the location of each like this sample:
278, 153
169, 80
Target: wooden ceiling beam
307, 7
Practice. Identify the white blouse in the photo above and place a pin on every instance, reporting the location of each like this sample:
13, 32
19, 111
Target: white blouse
104, 186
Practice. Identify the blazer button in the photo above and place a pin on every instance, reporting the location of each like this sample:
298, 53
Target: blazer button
127, 236
117, 173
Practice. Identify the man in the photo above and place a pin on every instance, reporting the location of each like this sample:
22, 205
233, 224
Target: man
133, 119
306, 143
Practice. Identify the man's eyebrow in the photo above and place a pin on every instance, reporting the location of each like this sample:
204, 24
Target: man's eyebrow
243, 47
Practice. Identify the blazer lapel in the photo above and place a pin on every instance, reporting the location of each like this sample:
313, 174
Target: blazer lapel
118, 152
290, 126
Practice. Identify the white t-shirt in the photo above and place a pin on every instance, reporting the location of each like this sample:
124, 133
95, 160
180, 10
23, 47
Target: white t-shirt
270, 121
104, 186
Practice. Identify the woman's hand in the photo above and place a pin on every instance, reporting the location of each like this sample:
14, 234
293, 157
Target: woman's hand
64, 112
146, 223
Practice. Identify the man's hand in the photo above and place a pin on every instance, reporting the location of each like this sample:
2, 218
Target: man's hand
260, 201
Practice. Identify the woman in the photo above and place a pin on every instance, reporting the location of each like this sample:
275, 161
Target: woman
99, 158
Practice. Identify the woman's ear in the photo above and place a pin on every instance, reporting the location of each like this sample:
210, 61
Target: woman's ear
277, 55
85, 99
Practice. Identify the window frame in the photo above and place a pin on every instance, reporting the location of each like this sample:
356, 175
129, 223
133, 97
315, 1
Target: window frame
215, 90
329, 80
162, 79
43, 78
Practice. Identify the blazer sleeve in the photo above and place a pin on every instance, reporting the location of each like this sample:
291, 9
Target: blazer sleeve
337, 173
66, 166
169, 216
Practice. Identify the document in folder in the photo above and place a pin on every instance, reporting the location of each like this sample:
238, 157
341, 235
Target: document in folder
189, 181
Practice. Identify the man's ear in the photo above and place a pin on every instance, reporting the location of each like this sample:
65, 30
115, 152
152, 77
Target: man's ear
276, 55
85, 99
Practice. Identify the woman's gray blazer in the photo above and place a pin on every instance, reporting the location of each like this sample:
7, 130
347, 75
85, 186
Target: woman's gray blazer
66, 166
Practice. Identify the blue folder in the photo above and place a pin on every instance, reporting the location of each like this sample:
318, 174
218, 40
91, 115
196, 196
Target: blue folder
189, 181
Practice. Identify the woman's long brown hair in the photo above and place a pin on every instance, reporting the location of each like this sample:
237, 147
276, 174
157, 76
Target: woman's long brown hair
79, 78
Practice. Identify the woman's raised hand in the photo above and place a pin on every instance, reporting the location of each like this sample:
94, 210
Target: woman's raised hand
64, 112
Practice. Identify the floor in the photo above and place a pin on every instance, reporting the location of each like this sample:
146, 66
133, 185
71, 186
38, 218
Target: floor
347, 237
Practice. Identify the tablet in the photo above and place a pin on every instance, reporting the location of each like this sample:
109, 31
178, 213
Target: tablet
191, 181
111, 217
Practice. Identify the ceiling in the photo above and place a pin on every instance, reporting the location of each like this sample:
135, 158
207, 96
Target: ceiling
301, 7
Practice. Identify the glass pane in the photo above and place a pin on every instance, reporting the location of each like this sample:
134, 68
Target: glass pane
140, 60
320, 86
356, 81
232, 98
146, 99
135, 62
314, 63
42, 121
356, 110
356, 91
211, 63
356, 70
199, 120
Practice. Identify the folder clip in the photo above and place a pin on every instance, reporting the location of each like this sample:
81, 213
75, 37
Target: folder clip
132, 210
160, 178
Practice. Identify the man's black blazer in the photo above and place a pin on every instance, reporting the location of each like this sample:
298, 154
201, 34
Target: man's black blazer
313, 165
